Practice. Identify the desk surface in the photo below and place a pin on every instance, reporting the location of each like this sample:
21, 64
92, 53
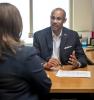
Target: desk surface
90, 53
72, 85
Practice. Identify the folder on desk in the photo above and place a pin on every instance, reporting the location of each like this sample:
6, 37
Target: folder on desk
62, 73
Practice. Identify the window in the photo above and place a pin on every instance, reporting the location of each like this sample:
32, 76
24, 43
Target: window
23, 7
36, 14
42, 10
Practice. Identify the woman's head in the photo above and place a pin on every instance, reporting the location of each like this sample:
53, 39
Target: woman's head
10, 21
10, 28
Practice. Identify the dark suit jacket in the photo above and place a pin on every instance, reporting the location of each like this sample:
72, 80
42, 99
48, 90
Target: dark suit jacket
69, 41
22, 77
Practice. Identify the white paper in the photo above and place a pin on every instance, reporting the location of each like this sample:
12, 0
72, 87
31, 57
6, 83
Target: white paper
62, 73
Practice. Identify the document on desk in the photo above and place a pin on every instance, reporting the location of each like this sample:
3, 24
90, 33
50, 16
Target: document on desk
62, 73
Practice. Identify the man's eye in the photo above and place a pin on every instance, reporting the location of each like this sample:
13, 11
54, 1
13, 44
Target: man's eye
59, 18
56, 18
53, 18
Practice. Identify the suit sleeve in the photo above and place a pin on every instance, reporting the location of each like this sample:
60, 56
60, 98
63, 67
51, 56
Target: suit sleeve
80, 52
36, 75
36, 44
35, 41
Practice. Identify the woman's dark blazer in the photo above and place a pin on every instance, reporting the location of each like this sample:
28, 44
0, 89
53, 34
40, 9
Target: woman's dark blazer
22, 77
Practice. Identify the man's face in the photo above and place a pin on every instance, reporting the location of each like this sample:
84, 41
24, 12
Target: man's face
57, 20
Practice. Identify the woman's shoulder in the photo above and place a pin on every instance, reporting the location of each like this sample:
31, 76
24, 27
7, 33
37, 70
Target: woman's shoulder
26, 51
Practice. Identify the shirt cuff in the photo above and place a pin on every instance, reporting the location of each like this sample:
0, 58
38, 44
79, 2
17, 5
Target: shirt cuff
79, 64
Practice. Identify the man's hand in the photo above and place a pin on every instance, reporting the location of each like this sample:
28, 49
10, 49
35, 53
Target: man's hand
73, 60
53, 62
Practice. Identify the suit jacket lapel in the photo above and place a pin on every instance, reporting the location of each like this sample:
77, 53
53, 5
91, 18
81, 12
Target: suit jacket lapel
49, 40
63, 39
63, 44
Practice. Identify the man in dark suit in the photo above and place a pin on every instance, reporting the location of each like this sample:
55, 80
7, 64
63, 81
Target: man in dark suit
59, 45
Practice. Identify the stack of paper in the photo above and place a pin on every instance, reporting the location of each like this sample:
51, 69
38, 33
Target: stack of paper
62, 73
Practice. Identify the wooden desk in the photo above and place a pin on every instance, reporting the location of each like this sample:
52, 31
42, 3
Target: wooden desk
72, 85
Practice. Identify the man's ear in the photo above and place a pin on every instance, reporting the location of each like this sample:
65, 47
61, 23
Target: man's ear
65, 20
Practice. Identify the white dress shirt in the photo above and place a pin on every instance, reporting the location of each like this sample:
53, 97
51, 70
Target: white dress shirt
56, 45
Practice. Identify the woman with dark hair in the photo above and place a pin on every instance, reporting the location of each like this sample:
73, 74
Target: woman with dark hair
22, 77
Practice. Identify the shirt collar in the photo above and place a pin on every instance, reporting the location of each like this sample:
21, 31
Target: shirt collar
53, 34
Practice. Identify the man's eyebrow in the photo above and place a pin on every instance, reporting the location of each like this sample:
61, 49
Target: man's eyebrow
53, 17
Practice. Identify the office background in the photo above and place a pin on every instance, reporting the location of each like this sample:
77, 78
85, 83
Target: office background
80, 14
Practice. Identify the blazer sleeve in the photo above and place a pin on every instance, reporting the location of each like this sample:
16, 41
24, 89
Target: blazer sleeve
80, 52
34, 72
37, 44
35, 40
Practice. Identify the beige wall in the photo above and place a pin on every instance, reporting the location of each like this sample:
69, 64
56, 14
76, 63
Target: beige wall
93, 15
82, 15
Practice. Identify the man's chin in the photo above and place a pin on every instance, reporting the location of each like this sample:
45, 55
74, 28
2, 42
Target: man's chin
55, 30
